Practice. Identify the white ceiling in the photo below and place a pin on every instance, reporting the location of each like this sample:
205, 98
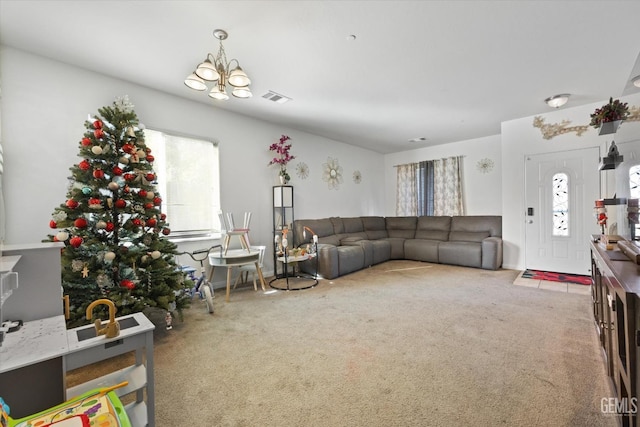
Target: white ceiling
444, 70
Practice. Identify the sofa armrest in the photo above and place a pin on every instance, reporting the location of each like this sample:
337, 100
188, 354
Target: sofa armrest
492, 253
328, 266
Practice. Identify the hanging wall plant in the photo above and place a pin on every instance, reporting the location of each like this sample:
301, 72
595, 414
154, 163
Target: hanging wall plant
608, 117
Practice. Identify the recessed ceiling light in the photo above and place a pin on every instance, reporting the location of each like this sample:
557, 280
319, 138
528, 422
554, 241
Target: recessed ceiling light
418, 139
636, 81
557, 101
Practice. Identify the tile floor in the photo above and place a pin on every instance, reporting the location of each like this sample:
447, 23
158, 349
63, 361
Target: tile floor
552, 286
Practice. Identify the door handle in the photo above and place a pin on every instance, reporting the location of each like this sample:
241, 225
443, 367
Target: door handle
530, 221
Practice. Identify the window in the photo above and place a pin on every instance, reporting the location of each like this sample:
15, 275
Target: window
560, 204
188, 177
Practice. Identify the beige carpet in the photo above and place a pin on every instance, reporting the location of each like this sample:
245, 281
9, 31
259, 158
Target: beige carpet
399, 344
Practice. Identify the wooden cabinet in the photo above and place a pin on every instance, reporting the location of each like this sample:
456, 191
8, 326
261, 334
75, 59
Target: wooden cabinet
616, 309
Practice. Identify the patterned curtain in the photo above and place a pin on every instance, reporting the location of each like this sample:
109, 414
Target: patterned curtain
406, 200
448, 187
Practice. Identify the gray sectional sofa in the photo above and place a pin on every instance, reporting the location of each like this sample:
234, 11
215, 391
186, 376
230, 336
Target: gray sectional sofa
346, 245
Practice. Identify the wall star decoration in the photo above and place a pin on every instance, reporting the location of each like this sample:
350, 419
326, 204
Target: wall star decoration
302, 170
357, 177
332, 173
551, 130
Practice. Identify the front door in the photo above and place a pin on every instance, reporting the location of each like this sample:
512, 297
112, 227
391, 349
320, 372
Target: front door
561, 189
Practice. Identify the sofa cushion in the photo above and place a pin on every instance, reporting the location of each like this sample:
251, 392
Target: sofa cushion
375, 227
466, 254
421, 250
352, 225
490, 223
348, 240
338, 225
350, 259
468, 236
401, 226
433, 227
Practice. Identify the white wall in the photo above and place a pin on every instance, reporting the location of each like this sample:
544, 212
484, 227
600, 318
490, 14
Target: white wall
45, 104
520, 138
482, 192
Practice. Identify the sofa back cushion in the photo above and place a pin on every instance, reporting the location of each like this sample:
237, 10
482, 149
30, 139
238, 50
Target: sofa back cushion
401, 226
352, 225
338, 225
322, 227
433, 227
479, 223
375, 227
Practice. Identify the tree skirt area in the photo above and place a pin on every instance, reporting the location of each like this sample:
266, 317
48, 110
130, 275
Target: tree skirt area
557, 277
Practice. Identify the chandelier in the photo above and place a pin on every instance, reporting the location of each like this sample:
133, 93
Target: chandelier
218, 70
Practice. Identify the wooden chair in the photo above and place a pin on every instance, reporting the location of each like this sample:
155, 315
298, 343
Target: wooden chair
227, 223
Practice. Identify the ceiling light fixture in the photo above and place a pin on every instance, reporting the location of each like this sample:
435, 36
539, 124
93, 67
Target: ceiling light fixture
636, 81
218, 69
557, 101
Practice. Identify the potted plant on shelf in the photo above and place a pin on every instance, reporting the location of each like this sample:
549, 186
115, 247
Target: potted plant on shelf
608, 117
283, 157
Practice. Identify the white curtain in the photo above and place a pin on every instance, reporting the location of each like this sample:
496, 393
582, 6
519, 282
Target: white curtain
447, 191
406, 195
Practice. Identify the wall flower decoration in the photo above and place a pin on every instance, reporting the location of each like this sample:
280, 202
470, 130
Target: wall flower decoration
283, 157
357, 177
332, 173
485, 165
302, 170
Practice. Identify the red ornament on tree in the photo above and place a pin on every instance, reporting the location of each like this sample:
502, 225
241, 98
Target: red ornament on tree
129, 177
110, 226
97, 124
75, 241
137, 222
163, 216
166, 231
84, 165
71, 204
128, 148
80, 223
142, 194
94, 202
98, 133
151, 177
98, 174
151, 222
150, 158
86, 141
117, 171
120, 204
157, 201
52, 224
126, 283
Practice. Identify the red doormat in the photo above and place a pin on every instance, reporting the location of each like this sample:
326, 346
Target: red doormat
557, 277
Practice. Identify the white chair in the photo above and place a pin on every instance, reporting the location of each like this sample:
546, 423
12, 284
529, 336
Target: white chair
244, 270
227, 223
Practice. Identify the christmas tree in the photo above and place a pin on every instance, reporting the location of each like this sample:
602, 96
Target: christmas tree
114, 232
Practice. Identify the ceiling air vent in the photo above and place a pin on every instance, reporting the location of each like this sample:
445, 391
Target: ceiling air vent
276, 97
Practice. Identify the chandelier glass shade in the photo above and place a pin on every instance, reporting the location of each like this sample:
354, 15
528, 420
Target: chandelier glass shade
219, 71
